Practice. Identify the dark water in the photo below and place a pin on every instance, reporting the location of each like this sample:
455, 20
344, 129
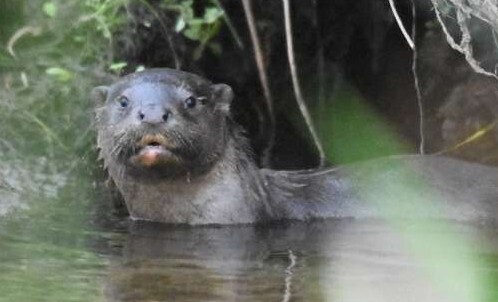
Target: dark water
62, 244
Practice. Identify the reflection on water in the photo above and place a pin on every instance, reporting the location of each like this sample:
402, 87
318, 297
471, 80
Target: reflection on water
341, 260
19, 178
64, 248
46, 238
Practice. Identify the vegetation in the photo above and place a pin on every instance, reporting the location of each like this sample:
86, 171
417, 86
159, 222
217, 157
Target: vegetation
53, 57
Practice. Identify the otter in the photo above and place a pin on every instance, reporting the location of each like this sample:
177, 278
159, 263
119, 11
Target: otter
176, 156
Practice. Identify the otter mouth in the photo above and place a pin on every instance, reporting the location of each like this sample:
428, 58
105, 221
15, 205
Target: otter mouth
153, 150
153, 140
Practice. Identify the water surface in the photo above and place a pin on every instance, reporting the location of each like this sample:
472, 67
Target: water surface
64, 245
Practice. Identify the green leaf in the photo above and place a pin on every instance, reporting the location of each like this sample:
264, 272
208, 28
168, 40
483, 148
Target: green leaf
212, 14
118, 66
180, 24
188, 12
196, 21
187, 4
79, 39
212, 31
50, 9
193, 32
61, 74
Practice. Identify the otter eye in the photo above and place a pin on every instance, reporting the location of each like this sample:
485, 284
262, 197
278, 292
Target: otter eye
202, 99
190, 102
123, 101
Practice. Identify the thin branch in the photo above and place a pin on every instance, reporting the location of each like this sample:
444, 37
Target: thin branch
258, 54
295, 82
320, 63
464, 46
416, 83
400, 24
230, 26
471, 138
35, 31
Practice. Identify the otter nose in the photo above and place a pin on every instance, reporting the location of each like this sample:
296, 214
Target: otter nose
153, 115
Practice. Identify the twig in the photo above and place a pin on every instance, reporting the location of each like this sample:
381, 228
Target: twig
35, 31
470, 139
320, 64
295, 82
464, 46
230, 26
400, 24
263, 79
416, 83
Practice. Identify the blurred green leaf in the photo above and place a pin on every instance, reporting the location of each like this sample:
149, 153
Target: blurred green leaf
193, 32
118, 66
212, 14
78, 39
196, 21
61, 74
50, 9
180, 24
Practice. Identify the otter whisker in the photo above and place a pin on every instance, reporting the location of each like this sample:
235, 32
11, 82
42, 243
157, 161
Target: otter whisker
118, 142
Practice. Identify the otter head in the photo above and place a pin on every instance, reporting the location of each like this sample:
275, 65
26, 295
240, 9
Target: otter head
162, 123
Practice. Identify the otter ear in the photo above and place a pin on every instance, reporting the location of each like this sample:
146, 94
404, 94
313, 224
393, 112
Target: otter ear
222, 96
99, 95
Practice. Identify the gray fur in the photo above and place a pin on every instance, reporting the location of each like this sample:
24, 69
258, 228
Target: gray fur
219, 183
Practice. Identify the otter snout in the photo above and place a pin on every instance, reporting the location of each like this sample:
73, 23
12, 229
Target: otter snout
153, 115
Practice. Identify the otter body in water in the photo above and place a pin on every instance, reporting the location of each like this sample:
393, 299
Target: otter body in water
176, 156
